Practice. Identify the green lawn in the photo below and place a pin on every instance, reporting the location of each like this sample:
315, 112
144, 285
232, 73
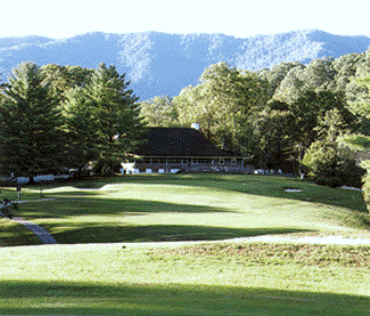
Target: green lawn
101, 266
187, 207
168, 279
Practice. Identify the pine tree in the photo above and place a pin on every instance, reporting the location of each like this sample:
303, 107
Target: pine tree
80, 128
31, 141
327, 156
115, 113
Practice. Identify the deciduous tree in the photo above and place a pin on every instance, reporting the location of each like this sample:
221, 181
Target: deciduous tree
159, 112
223, 103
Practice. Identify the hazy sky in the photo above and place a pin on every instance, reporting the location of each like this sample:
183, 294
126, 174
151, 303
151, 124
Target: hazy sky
61, 19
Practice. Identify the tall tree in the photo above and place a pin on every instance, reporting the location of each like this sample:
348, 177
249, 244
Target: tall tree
277, 73
159, 111
291, 86
80, 128
63, 78
309, 108
31, 138
327, 156
274, 128
222, 104
361, 142
115, 113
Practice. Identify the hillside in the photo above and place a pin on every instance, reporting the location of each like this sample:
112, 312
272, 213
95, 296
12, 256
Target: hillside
163, 64
181, 244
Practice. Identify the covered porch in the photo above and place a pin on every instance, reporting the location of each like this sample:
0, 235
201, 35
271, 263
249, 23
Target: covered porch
163, 164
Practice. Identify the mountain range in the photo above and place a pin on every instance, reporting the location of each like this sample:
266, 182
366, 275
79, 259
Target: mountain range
160, 64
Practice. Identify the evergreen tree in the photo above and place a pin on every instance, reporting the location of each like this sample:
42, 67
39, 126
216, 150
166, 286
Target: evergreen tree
31, 140
115, 113
309, 108
64, 78
274, 128
327, 157
81, 130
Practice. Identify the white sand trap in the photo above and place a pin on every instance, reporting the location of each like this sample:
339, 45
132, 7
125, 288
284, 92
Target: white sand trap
293, 190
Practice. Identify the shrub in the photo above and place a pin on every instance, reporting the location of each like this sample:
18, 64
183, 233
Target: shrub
333, 182
366, 183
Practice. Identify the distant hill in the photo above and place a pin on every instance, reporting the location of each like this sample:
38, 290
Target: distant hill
163, 64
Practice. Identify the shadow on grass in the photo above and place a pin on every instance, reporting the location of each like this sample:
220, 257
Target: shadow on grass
54, 298
12, 234
81, 206
271, 186
151, 233
106, 231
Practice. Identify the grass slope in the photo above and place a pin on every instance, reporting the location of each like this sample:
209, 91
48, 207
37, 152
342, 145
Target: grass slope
168, 279
94, 272
186, 207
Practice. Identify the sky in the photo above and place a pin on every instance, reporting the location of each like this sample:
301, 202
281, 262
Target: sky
64, 19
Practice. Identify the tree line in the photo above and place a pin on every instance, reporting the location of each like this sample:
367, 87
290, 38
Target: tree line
56, 117
292, 117
298, 118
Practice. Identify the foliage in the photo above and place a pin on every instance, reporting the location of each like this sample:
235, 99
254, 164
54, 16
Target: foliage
81, 129
331, 161
366, 182
291, 86
333, 182
312, 106
318, 75
102, 120
64, 78
356, 141
31, 138
328, 159
277, 73
362, 108
159, 112
222, 104
274, 128
360, 104
114, 111
273, 115
56, 117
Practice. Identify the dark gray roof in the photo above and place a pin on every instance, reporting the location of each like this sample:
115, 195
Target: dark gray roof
175, 142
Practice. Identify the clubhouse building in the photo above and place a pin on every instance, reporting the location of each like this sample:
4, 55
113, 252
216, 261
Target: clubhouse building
172, 150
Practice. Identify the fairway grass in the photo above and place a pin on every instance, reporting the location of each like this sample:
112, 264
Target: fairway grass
188, 207
200, 279
52, 298
159, 245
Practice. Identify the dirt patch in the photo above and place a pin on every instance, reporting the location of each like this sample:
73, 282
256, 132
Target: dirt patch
281, 254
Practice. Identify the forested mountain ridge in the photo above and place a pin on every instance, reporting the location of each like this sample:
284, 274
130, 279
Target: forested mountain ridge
163, 64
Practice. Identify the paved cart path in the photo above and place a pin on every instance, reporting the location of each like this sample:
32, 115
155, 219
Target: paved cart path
47, 238
40, 232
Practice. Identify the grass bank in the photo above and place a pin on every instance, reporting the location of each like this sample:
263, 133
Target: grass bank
185, 207
172, 279
102, 267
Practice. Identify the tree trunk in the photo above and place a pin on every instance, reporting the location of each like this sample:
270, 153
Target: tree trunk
32, 180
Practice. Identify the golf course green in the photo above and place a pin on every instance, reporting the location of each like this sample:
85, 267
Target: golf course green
178, 244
